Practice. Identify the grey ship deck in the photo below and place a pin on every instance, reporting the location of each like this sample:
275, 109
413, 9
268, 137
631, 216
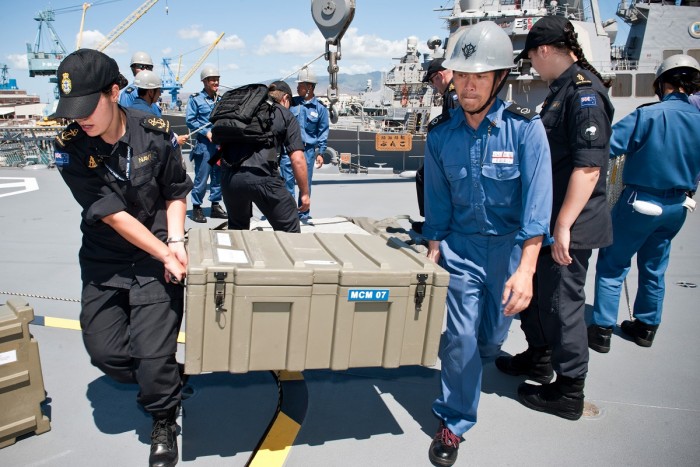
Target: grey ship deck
650, 407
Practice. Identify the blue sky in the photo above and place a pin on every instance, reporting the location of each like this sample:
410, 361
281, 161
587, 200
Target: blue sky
265, 39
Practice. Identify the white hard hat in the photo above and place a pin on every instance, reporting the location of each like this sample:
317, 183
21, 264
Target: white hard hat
141, 58
208, 71
677, 61
481, 48
147, 80
307, 76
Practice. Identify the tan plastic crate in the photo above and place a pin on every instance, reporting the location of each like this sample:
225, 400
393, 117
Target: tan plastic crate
21, 380
281, 301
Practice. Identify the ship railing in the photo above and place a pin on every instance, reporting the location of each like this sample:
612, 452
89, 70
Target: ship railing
625, 65
21, 146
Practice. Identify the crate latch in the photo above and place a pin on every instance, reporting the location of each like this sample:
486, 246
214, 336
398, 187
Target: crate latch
220, 290
420, 290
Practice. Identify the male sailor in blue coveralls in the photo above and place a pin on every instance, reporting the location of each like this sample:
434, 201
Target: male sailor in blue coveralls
488, 199
199, 108
662, 167
140, 61
149, 87
312, 116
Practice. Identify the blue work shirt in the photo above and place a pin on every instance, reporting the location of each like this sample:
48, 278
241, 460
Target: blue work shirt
662, 144
142, 105
199, 107
312, 116
129, 94
494, 180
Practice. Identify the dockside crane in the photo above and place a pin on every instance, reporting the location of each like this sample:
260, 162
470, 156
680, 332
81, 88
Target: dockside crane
126, 24
172, 81
42, 63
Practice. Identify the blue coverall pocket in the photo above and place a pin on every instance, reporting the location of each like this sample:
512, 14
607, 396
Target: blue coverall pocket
459, 184
501, 183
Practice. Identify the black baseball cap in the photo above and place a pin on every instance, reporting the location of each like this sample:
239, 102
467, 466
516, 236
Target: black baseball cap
82, 76
547, 30
434, 66
281, 86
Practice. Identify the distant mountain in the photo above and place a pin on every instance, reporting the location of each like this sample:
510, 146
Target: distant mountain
347, 84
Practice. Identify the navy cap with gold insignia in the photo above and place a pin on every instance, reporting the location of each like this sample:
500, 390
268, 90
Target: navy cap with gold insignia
82, 76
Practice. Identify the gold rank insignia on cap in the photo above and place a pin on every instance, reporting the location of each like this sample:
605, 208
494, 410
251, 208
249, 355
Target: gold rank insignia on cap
66, 84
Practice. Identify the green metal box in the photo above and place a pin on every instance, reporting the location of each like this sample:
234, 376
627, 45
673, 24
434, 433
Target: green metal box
281, 301
21, 380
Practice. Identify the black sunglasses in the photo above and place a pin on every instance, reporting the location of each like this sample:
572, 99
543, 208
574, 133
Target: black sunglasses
142, 67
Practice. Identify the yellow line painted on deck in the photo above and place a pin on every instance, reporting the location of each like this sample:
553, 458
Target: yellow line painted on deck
285, 375
278, 443
61, 323
74, 325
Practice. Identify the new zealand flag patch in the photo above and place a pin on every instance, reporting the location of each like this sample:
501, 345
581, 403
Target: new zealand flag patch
61, 158
588, 100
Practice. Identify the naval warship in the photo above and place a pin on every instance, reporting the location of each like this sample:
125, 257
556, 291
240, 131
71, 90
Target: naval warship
405, 105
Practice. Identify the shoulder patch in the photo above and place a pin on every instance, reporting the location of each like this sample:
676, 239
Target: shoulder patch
524, 112
588, 99
71, 133
442, 118
194, 95
130, 89
158, 124
581, 80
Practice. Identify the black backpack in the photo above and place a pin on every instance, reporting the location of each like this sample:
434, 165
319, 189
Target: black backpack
244, 115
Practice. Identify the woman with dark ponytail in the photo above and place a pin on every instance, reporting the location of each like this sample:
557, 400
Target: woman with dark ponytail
571, 43
577, 115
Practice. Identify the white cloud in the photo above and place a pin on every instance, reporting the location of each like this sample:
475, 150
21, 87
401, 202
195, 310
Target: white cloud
231, 66
353, 45
370, 46
18, 62
167, 51
207, 37
292, 41
93, 38
192, 33
229, 43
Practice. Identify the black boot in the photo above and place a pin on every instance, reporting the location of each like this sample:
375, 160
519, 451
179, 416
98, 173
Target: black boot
535, 363
443, 449
198, 214
642, 333
164, 451
599, 338
217, 212
563, 397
